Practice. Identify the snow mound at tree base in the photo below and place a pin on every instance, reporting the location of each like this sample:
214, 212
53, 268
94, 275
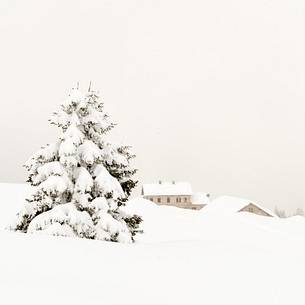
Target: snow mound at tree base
183, 257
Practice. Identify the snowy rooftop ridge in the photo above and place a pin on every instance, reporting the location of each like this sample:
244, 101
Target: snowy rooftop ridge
230, 204
167, 189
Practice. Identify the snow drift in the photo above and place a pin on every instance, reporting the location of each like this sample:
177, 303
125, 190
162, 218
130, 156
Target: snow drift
183, 257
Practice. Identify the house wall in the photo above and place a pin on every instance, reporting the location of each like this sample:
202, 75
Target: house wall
252, 208
183, 201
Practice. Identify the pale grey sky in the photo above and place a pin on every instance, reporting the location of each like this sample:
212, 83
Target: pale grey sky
211, 92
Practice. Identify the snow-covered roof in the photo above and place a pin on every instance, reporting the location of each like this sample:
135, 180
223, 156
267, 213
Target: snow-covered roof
201, 198
167, 189
229, 205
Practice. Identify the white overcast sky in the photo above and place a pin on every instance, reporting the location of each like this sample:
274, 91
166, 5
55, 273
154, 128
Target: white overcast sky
211, 92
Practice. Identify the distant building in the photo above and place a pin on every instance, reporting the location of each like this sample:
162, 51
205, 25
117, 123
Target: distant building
177, 194
231, 205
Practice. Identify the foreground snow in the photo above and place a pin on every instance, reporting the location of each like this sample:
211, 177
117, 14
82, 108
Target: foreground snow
184, 257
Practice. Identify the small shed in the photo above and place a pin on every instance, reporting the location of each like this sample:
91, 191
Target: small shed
201, 198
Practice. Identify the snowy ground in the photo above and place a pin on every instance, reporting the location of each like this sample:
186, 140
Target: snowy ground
184, 257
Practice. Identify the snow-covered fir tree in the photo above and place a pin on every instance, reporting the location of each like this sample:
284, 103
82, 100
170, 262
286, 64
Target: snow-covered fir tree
81, 181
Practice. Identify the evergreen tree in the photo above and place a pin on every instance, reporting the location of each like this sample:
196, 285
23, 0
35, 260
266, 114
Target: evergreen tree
81, 181
299, 212
280, 213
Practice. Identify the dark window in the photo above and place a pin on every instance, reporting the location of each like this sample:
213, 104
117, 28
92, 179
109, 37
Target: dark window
168, 200
159, 200
185, 199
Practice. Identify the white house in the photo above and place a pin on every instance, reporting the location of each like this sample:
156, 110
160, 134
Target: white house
177, 194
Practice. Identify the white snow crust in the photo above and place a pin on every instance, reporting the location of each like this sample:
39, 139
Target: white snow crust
183, 257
